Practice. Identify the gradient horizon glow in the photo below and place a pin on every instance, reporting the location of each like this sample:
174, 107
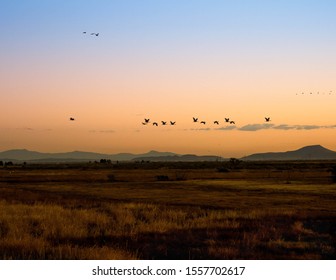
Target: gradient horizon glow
167, 60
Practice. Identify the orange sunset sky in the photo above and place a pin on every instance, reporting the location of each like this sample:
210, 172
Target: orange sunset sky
167, 60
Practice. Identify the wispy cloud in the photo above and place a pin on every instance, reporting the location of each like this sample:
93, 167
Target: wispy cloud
203, 128
229, 127
284, 127
251, 127
255, 127
302, 127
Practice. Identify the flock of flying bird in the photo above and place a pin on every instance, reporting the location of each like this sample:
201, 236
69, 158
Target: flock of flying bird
195, 120
227, 120
312, 93
96, 34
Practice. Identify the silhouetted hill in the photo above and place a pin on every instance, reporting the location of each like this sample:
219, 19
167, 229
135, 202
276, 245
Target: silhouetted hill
314, 152
183, 158
26, 155
127, 156
22, 154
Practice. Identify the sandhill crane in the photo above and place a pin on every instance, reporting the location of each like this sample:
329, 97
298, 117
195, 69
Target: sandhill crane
155, 123
147, 120
267, 119
72, 119
203, 122
195, 119
216, 122
163, 122
232, 122
172, 123
227, 119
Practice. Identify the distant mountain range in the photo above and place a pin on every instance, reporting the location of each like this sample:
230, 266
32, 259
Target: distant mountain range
315, 152
76, 156
181, 158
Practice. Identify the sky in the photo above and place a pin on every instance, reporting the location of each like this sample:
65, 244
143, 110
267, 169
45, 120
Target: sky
168, 60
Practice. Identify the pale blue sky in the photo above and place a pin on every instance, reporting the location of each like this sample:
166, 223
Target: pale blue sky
159, 58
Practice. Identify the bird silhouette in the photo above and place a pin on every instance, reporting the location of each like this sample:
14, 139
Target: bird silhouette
97, 34
227, 119
172, 123
216, 122
203, 122
195, 119
232, 122
84, 32
155, 123
147, 120
72, 119
267, 119
144, 123
163, 122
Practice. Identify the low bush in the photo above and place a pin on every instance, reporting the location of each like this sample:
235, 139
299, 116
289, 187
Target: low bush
223, 169
162, 178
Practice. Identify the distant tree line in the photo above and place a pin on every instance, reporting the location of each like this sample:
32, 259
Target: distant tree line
10, 163
6, 163
105, 161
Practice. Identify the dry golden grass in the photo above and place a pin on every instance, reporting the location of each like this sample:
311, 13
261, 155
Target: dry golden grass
80, 214
41, 232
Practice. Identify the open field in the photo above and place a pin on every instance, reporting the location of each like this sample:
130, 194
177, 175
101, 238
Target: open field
246, 210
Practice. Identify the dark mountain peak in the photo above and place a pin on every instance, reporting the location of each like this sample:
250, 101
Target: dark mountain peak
18, 151
156, 153
313, 148
312, 152
78, 153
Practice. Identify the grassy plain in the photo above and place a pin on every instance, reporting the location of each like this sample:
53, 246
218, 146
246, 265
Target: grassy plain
219, 210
